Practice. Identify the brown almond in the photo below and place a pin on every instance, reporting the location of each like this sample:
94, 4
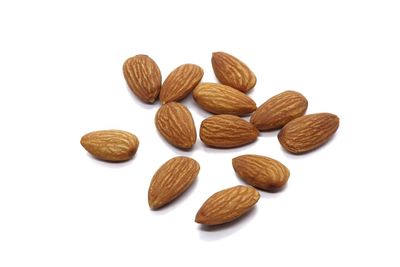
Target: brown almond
111, 145
171, 180
261, 172
175, 122
180, 82
308, 132
232, 72
279, 110
227, 131
227, 205
143, 77
222, 99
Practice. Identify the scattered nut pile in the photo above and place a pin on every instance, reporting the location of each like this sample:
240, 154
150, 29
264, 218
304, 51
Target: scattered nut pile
226, 129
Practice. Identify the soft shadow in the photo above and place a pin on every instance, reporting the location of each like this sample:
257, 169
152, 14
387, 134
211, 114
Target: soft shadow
142, 104
176, 149
222, 150
273, 133
176, 202
118, 164
272, 193
216, 232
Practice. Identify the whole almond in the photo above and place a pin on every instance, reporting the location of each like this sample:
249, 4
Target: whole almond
172, 179
279, 110
227, 205
143, 77
261, 172
232, 72
180, 82
222, 99
111, 145
308, 132
227, 131
175, 122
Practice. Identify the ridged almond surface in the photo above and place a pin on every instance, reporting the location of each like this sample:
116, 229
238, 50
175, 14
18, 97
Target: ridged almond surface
222, 99
261, 172
172, 179
308, 132
227, 205
227, 131
279, 110
232, 72
143, 77
180, 82
175, 122
111, 145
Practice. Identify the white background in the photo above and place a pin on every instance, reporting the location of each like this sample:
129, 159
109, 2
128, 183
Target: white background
61, 77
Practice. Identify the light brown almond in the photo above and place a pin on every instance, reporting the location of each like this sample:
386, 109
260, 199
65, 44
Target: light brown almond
279, 110
227, 205
171, 180
233, 72
308, 132
180, 82
143, 77
222, 99
111, 145
175, 122
261, 172
227, 131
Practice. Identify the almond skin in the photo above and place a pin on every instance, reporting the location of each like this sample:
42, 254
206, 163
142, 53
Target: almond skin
111, 145
232, 72
261, 172
143, 77
279, 110
175, 122
308, 132
222, 99
227, 205
180, 82
172, 179
227, 131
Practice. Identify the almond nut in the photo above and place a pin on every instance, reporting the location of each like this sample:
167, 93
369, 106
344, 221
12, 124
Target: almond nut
143, 77
308, 132
279, 110
227, 205
222, 99
227, 131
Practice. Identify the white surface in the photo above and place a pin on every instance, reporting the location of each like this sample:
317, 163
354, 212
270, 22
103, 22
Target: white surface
61, 77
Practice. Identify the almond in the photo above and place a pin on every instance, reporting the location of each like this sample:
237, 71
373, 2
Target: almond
232, 72
172, 179
222, 99
175, 122
111, 145
143, 77
227, 131
308, 132
180, 82
261, 172
227, 205
279, 110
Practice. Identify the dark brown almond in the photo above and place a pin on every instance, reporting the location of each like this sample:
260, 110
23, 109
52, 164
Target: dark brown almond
261, 172
232, 72
143, 77
222, 99
279, 110
111, 145
175, 122
227, 131
308, 132
180, 82
227, 205
171, 180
